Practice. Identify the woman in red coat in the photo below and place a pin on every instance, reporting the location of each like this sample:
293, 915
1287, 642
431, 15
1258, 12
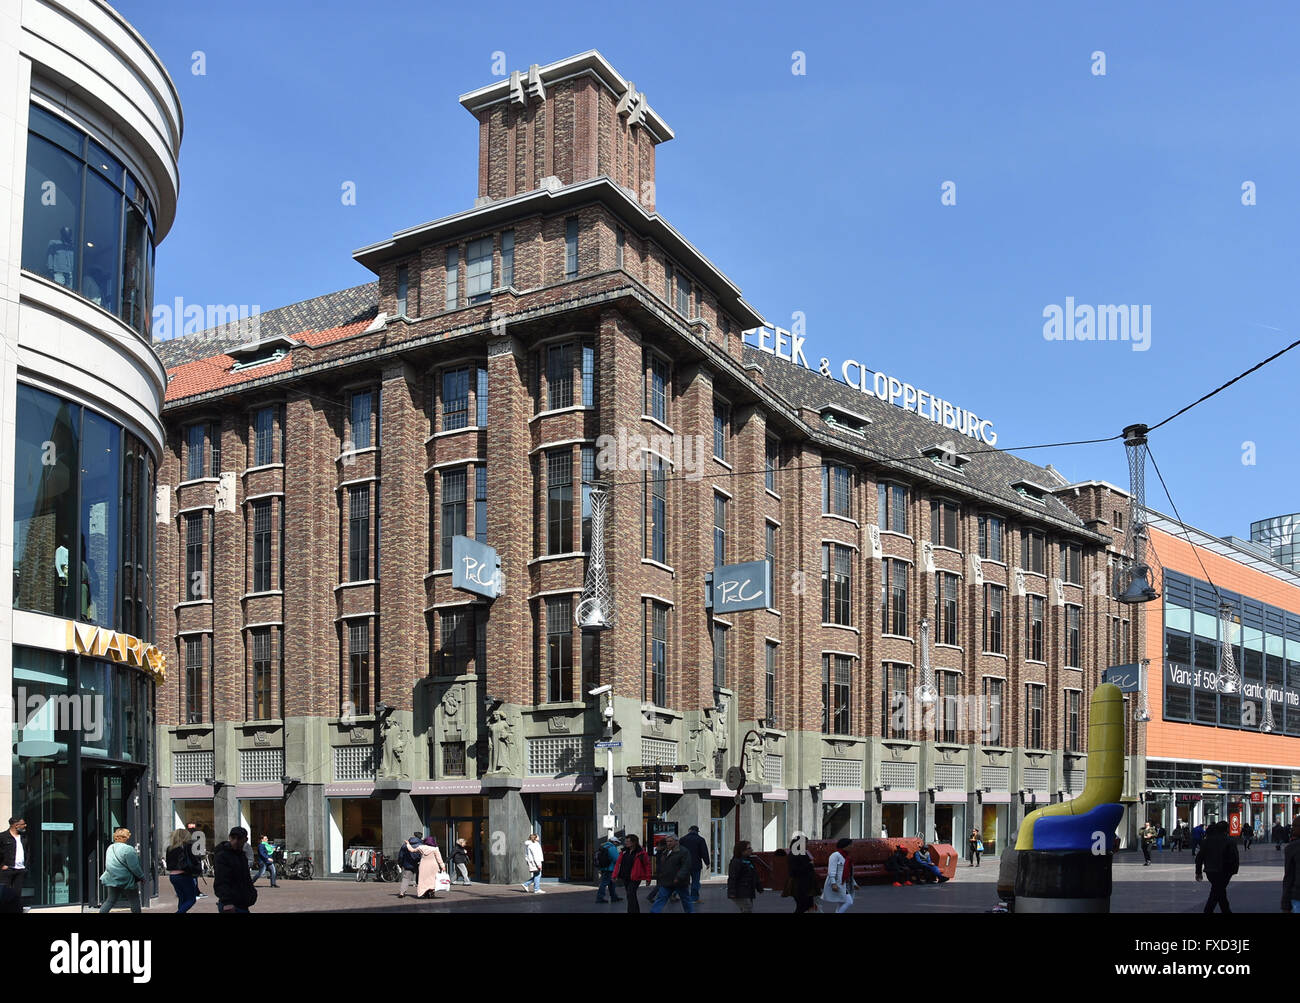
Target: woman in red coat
632, 867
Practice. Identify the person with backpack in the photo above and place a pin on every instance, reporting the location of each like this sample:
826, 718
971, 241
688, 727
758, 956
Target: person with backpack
743, 882
408, 859
122, 872
1219, 860
606, 858
631, 868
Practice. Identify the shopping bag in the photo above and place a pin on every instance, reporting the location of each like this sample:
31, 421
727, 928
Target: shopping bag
443, 882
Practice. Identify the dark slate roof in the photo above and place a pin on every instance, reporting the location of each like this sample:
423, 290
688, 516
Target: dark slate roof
337, 309
897, 438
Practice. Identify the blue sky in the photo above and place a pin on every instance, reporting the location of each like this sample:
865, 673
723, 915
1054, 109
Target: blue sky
821, 192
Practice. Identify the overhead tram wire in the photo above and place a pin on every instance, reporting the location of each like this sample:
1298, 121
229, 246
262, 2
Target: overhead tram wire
1241, 376
1186, 534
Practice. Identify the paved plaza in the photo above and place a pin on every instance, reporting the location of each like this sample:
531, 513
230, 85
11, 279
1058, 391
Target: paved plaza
1167, 886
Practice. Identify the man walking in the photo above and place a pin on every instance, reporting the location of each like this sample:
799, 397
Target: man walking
265, 860
408, 859
1146, 836
1218, 858
699, 851
606, 857
1290, 864
232, 880
673, 875
460, 861
13, 855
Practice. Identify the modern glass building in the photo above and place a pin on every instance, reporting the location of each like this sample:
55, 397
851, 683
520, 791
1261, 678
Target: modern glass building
94, 124
1281, 534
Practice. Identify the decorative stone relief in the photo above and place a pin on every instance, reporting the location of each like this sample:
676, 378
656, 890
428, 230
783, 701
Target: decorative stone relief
976, 569
503, 744
194, 740
927, 555
162, 504
873, 533
225, 495
261, 738
450, 714
704, 744
752, 757
358, 736
1020, 581
394, 741
1058, 593
558, 725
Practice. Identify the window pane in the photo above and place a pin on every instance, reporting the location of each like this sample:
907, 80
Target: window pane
361, 411
571, 247
481, 399
559, 502
102, 245
478, 269
455, 399
52, 212
100, 497
508, 258
453, 262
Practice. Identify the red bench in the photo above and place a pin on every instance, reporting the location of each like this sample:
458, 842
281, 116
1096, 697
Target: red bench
866, 856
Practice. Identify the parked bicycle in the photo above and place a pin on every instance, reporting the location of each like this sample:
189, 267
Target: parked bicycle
295, 864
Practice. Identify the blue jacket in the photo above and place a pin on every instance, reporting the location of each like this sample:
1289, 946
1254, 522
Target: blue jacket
614, 850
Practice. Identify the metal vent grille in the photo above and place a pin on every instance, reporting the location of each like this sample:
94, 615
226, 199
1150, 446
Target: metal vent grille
996, 778
1036, 778
950, 776
354, 762
899, 775
1074, 781
774, 770
658, 752
191, 767
550, 757
261, 766
842, 773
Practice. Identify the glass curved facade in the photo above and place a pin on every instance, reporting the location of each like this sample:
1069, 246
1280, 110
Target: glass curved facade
83, 516
87, 222
1281, 535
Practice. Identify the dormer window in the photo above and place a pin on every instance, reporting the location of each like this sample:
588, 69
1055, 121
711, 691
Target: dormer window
1030, 491
261, 352
842, 420
946, 456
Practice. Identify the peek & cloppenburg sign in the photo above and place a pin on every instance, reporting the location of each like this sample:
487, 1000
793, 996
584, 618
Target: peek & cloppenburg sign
785, 345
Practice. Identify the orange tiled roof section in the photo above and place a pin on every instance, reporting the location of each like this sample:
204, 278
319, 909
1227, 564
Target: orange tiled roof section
217, 372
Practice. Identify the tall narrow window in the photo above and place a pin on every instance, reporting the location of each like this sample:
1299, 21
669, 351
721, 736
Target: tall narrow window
945, 519
1034, 630
262, 545
194, 681
994, 600
559, 376
481, 398
455, 399
769, 554
1031, 551
719, 530
656, 509
655, 669
453, 267
891, 503
196, 548
721, 428
453, 512
264, 437
1072, 721
196, 452
769, 683
837, 497
359, 666
771, 463
588, 477
1073, 636
945, 607
508, 258
992, 532
619, 241
719, 655
948, 706
480, 504
837, 584
559, 502
559, 649
683, 295
589, 374
1033, 716
359, 533
1071, 564
571, 247
403, 285
361, 411
262, 675
841, 688
895, 701
992, 711
478, 269
458, 642
656, 387
893, 597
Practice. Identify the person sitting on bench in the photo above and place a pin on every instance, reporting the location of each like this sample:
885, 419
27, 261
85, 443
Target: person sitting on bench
899, 867
927, 866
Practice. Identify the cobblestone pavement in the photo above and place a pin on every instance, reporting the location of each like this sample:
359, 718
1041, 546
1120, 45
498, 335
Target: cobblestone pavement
1167, 886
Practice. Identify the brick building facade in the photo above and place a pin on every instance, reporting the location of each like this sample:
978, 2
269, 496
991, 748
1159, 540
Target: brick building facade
333, 688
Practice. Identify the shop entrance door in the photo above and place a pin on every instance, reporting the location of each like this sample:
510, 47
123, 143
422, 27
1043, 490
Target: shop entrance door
110, 801
566, 848
717, 844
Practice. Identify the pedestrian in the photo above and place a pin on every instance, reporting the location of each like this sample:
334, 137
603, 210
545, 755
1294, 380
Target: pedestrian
976, 847
1146, 836
533, 860
743, 882
1247, 835
431, 865
699, 851
1161, 833
1290, 886
184, 869
122, 872
631, 868
673, 874
460, 861
606, 858
408, 859
1198, 834
1218, 858
801, 884
232, 880
265, 859
13, 855
839, 878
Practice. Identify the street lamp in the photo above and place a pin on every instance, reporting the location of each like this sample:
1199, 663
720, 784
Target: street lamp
607, 691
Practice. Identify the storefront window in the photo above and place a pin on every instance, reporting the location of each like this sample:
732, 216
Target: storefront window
92, 563
77, 195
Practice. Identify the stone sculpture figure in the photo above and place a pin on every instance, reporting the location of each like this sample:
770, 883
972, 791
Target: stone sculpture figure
752, 758
705, 760
501, 743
